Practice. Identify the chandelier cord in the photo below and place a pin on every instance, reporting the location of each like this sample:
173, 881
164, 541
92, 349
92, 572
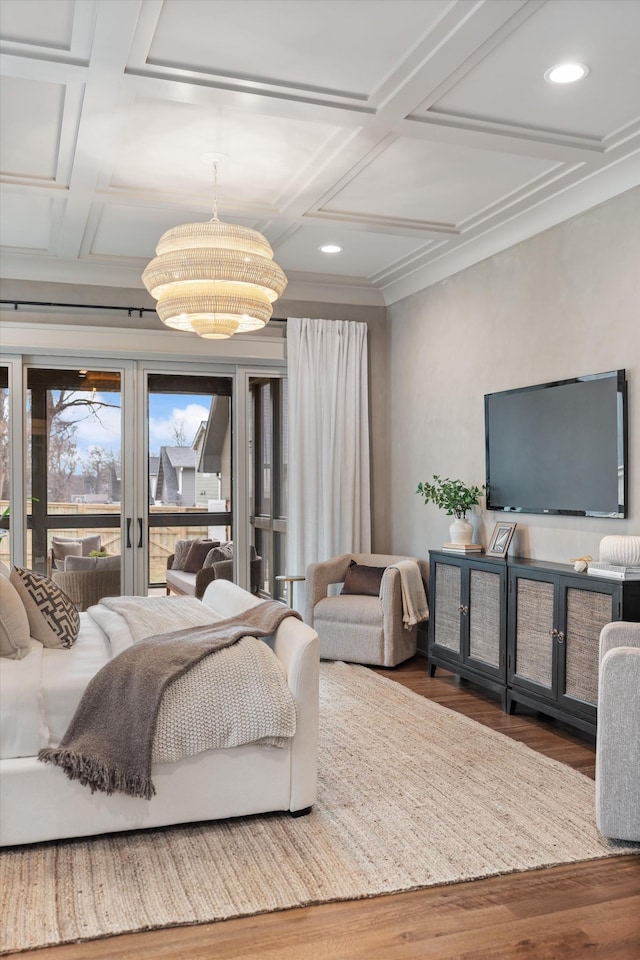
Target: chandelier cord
215, 218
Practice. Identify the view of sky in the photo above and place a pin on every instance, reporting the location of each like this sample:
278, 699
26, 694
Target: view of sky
166, 411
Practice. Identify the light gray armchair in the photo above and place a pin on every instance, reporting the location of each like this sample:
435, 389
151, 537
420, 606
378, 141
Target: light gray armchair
358, 628
618, 735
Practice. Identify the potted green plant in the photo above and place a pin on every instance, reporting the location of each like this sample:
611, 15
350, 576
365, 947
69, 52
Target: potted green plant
456, 499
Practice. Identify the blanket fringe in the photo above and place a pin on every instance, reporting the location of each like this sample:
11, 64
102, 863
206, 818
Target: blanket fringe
97, 775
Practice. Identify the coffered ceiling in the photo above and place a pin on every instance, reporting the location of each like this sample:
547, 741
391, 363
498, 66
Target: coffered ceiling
418, 135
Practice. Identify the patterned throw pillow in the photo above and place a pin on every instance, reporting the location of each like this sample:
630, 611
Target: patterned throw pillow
53, 619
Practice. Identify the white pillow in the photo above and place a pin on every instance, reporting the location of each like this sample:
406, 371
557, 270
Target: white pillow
15, 638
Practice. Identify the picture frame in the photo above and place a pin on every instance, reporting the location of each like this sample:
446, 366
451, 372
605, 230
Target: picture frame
500, 539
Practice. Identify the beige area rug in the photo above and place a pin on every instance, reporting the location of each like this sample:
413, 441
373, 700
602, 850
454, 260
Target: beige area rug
410, 795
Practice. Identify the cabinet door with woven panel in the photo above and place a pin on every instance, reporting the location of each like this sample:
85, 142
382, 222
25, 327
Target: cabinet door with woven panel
532, 659
447, 600
583, 613
486, 620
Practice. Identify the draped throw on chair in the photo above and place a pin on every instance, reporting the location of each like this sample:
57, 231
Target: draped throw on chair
329, 480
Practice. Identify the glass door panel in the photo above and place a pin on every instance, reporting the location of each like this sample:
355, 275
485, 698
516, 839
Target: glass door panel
5, 480
72, 482
189, 465
268, 452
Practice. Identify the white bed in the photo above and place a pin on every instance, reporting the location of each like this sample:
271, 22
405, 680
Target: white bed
39, 694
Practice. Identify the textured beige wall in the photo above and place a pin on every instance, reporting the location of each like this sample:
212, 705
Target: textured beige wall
562, 304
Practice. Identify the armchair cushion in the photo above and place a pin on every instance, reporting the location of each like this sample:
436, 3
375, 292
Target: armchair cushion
74, 564
362, 579
350, 608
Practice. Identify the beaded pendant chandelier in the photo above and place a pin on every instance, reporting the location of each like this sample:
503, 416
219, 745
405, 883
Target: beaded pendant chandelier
214, 278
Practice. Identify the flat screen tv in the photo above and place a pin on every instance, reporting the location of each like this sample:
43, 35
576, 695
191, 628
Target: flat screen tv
559, 448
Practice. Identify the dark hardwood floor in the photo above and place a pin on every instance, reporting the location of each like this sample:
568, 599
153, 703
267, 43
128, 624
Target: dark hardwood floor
588, 910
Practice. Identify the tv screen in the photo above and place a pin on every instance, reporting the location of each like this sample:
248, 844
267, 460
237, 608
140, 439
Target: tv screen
559, 448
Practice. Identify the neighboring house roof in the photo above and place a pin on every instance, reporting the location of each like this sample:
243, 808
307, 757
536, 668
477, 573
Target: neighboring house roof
180, 456
154, 463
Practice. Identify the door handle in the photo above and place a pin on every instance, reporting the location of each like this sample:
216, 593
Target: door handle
129, 533
139, 532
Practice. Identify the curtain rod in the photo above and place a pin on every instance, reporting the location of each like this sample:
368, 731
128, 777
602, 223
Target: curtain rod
90, 306
76, 306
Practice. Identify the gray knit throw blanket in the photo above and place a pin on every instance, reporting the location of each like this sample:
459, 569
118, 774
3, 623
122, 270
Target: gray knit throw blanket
108, 744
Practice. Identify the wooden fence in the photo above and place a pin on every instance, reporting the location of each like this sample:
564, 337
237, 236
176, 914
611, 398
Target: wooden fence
161, 539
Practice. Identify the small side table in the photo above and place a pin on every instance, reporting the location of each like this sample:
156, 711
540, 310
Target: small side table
290, 579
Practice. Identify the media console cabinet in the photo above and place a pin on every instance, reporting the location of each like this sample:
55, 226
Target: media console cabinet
526, 629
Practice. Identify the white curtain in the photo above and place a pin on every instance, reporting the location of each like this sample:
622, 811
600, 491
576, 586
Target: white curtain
329, 480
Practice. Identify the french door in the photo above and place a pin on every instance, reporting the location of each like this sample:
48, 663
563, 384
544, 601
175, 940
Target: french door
188, 487
133, 454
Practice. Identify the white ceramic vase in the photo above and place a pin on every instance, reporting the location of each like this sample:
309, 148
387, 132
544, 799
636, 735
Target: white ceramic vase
622, 550
461, 531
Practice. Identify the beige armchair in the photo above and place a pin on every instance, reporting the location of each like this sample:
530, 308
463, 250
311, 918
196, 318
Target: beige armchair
358, 628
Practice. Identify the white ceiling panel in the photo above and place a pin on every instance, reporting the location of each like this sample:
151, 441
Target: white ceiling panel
26, 221
435, 182
362, 255
31, 117
122, 231
419, 135
346, 46
508, 85
161, 145
44, 25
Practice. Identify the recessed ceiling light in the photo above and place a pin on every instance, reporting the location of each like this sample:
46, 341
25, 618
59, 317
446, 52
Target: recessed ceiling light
566, 73
331, 248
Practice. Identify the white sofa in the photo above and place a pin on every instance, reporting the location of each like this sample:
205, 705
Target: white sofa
38, 802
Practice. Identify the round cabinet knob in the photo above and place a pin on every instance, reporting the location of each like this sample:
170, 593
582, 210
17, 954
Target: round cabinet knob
561, 636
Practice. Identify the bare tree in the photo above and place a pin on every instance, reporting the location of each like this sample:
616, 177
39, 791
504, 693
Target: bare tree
179, 434
62, 459
65, 409
97, 472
